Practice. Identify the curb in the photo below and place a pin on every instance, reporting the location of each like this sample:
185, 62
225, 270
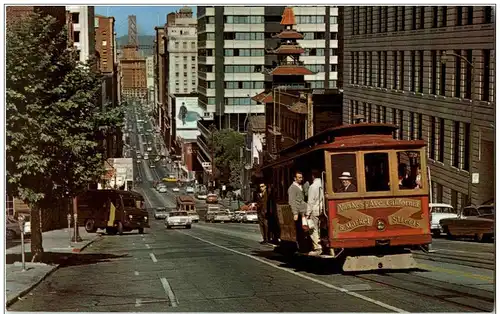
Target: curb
21, 294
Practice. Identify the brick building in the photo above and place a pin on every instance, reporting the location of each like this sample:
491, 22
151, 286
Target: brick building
411, 66
133, 67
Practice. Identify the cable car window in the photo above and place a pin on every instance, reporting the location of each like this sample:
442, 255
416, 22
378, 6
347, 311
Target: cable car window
409, 171
377, 172
344, 174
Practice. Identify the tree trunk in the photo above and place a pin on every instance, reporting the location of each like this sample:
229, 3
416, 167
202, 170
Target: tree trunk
36, 233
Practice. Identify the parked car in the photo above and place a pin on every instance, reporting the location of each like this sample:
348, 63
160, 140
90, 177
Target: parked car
161, 213
194, 216
472, 221
250, 216
178, 219
440, 211
27, 226
13, 230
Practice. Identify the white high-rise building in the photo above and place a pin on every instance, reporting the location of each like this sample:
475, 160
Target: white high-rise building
182, 53
82, 17
150, 78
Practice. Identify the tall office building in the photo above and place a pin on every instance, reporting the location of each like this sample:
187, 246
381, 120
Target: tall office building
430, 71
233, 59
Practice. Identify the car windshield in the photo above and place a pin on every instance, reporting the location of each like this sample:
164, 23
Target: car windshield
178, 214
160, 209
443, 210
129, 202
486, 210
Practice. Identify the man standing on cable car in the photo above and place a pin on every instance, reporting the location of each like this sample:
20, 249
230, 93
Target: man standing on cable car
296, 196
314, 199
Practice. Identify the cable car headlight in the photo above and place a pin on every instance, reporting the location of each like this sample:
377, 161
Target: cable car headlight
380, 225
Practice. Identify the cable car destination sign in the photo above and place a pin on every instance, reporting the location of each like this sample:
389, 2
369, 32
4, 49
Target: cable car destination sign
351, 211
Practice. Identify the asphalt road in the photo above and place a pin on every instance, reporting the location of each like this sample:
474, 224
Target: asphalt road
222, 267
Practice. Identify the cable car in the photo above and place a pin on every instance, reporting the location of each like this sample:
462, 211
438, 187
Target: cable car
376, 198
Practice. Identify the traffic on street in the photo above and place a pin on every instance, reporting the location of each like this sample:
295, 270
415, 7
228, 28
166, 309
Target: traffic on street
223, 267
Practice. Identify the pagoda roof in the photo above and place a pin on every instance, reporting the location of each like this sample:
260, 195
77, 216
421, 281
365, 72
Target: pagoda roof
291, 100
291, 70
288, 17
289, 34
288, 50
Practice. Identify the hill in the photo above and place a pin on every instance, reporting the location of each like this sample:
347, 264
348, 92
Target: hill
146, 44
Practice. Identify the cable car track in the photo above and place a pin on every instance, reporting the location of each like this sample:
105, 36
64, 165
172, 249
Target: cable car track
457, 259
423, 286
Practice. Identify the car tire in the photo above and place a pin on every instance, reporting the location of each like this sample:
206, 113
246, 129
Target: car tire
141, 230
448, 233
188, 227
478, 237
90, 226
10, 234
119, 228
436, 233
169, 227
110, 230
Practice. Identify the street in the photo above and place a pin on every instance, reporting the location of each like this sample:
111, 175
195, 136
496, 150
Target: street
222, 267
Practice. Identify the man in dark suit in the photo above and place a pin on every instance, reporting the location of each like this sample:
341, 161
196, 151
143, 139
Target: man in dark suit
347, 185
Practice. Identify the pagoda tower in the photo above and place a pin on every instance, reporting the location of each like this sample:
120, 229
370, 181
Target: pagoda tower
289, 70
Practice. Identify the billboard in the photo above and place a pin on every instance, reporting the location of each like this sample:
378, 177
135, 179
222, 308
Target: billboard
187, 113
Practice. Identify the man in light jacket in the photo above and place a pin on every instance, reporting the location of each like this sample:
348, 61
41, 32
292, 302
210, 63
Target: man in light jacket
314, 205
296, 196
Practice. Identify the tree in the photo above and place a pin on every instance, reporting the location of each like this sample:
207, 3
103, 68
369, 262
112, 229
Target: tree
227, 146
53, 117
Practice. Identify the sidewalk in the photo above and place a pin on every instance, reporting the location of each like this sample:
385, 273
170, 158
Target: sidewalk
57, 248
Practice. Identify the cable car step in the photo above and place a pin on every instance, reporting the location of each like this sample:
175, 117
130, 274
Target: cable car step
372, 262
318, 256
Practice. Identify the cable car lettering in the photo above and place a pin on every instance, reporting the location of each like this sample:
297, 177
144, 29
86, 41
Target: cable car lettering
354, 205
399, 220
353, 224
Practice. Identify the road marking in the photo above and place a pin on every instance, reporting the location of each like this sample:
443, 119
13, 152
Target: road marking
455, 272
138, 302
354, 294
153, 257
147, 245
169, 291
136, 273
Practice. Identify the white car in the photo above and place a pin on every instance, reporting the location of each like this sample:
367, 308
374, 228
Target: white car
189, 189
178, 219
176, 189
150, 149
146, 156
250, 216
194, 216
440, 211
162, 189
201, 196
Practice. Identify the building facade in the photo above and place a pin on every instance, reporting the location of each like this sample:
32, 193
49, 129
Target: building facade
105, 42
133, 67
150, 78
83, 20
233, 44
411, 66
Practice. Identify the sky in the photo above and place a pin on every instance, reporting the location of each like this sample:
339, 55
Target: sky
147, 17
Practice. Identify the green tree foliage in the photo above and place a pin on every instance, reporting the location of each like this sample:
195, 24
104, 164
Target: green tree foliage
227, 145
53, 117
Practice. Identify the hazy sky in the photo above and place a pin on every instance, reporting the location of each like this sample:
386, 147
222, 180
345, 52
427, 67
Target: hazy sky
147, 17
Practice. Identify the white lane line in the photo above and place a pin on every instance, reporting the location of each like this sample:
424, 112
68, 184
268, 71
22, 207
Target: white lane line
153, 257
136, 273
354, 294
138, 302
147, 245
147, 198
169, 291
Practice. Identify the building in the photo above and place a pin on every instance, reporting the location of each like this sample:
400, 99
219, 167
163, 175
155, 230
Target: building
133, 67
232, 44
255, 139
105, 42
411, 67
150, 78
82, 18
161, 112
182, 52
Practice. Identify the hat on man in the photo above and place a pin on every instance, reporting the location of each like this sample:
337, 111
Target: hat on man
345, 176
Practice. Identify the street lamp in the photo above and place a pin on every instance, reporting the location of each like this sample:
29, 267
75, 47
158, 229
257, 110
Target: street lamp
472, 122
